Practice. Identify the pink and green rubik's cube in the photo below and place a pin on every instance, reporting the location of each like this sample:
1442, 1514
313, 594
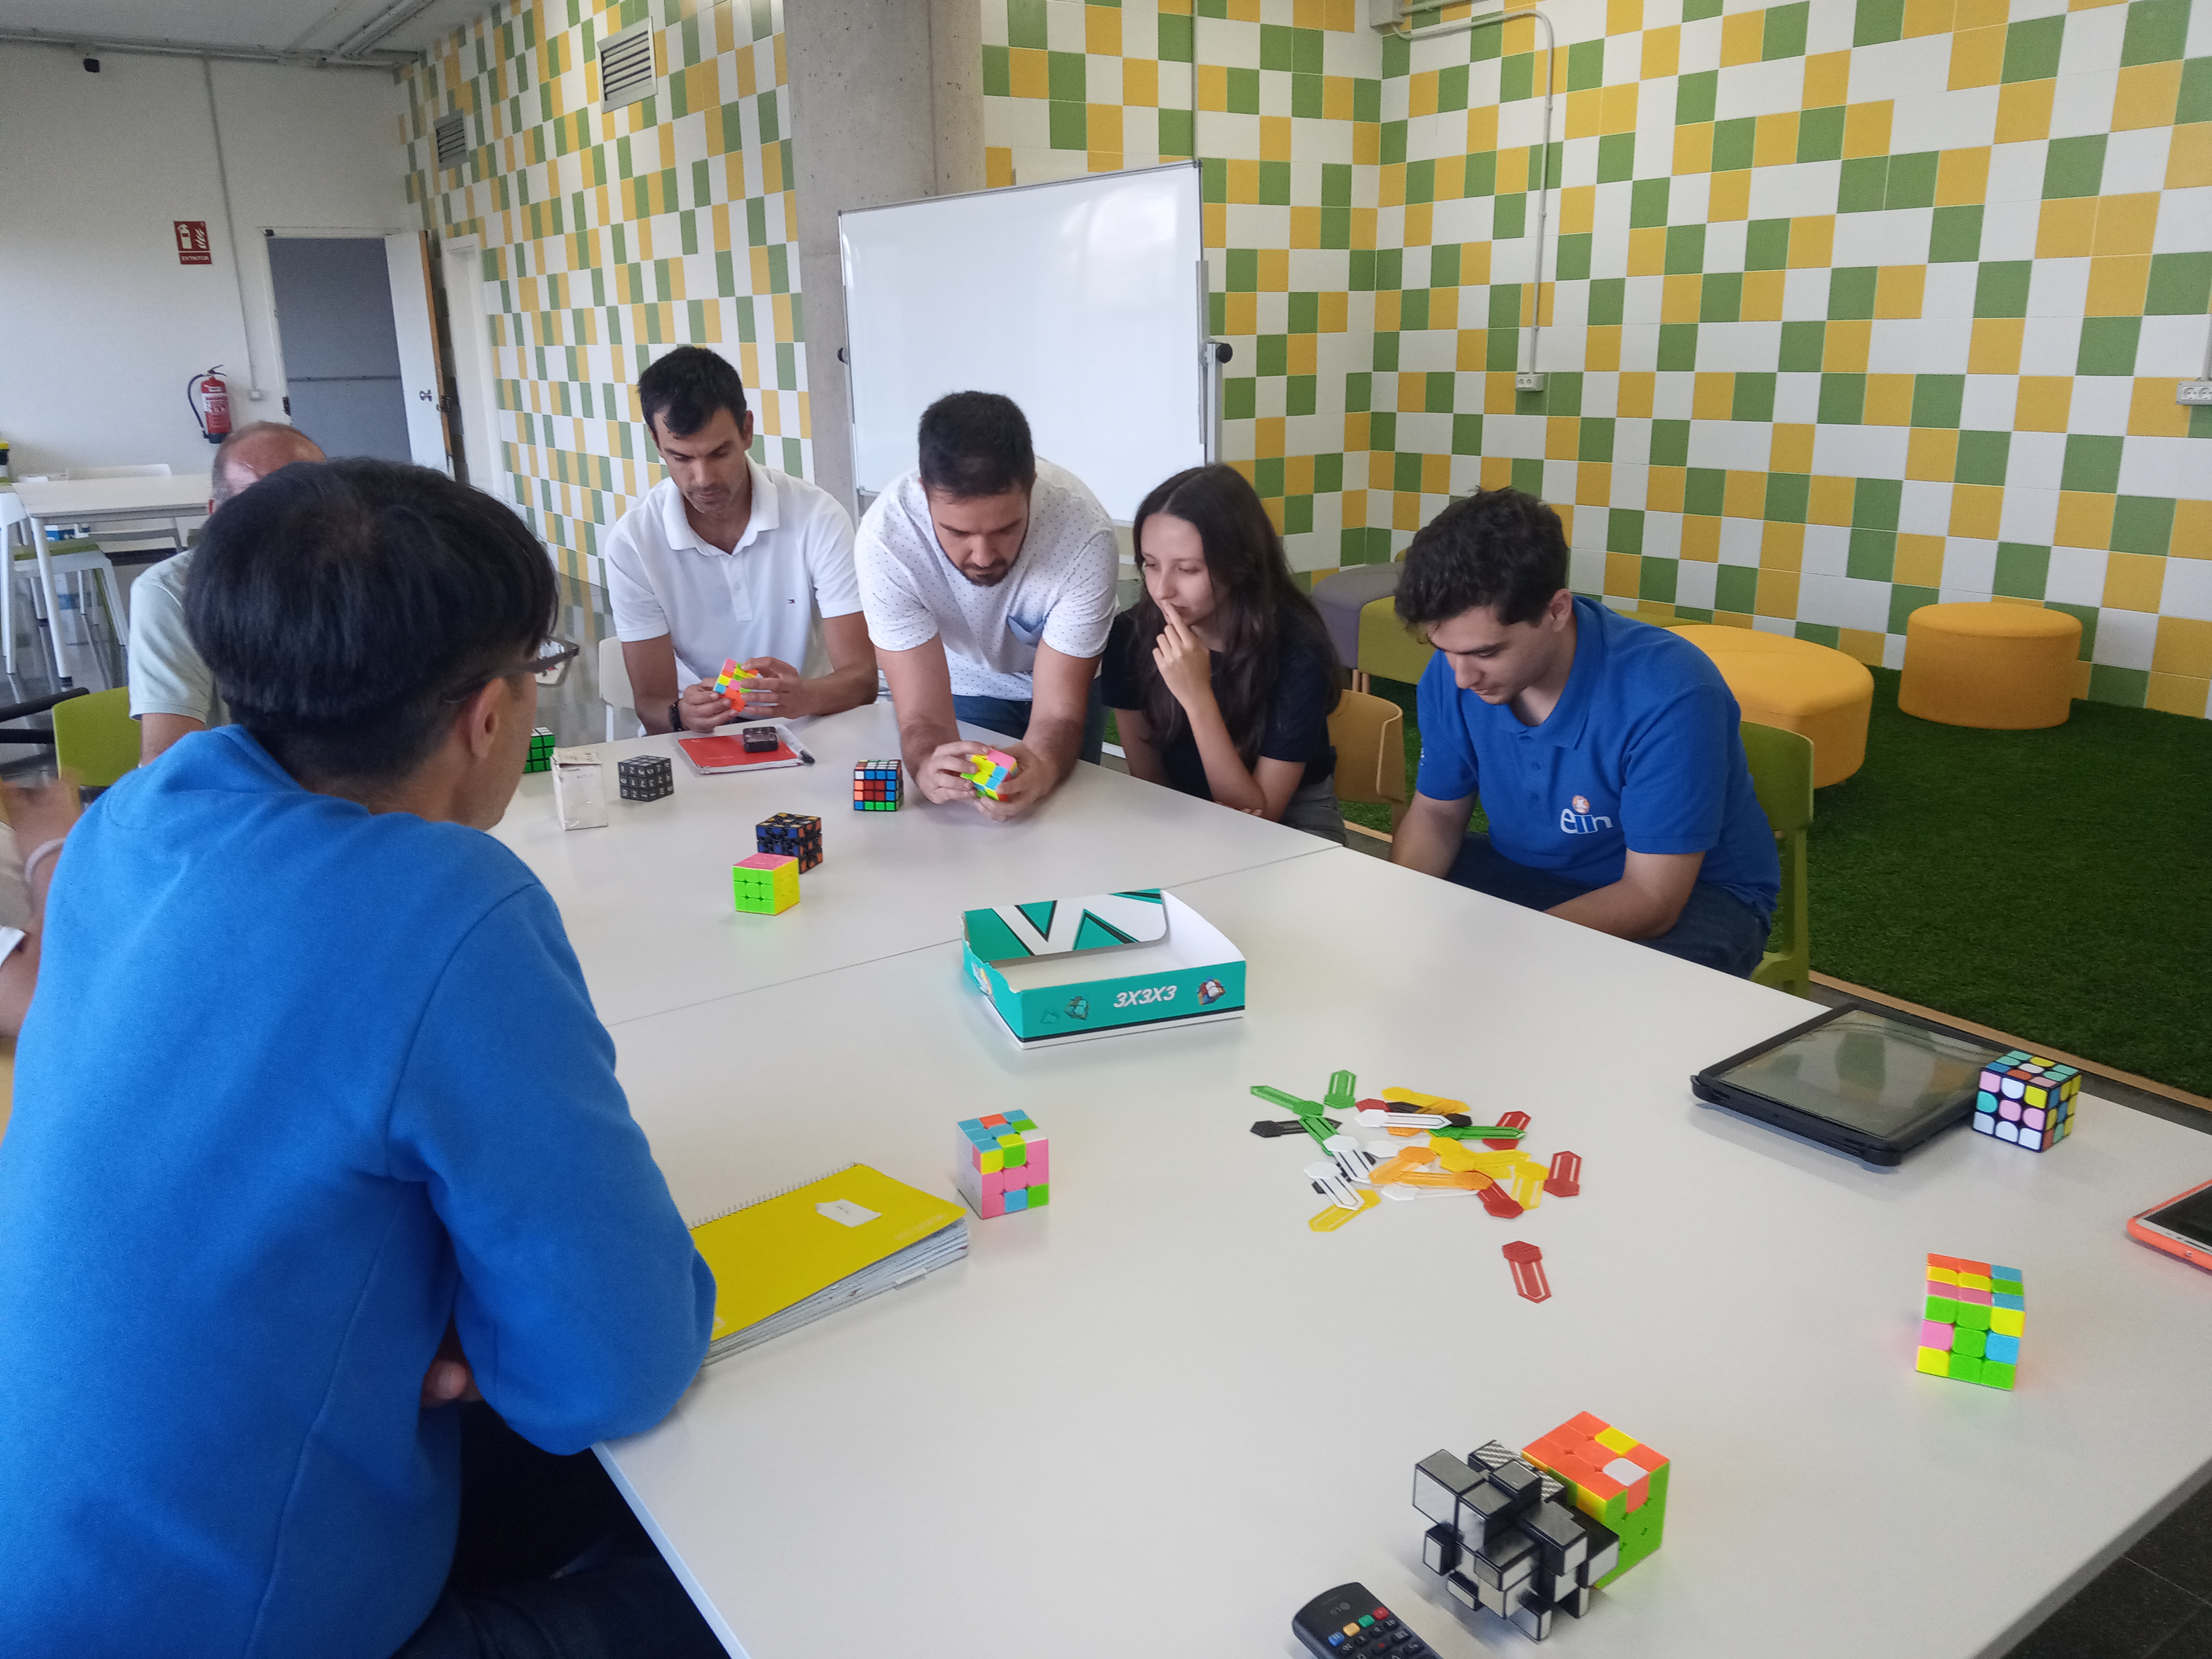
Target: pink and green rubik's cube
1972, 1321
1001, 1164
2027, 1100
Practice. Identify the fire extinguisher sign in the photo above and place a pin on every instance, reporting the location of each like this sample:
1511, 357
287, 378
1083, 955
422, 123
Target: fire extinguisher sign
192, 242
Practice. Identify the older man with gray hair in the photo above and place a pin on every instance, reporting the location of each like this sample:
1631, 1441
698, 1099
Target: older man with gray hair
171, 692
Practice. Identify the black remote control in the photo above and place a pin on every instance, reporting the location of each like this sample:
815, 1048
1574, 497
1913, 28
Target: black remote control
1350, 1619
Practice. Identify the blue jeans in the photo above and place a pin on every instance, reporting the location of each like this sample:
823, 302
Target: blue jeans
1715, 929
1005, 715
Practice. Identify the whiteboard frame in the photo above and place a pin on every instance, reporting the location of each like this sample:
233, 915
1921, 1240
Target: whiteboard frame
1210, 354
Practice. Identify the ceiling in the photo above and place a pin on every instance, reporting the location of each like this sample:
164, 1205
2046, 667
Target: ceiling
371, 28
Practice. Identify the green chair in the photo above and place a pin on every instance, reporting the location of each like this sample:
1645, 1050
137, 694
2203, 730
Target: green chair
1781, 774
95, 737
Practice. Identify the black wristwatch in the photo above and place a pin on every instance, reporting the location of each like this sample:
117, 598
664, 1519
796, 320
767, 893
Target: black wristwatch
676, 717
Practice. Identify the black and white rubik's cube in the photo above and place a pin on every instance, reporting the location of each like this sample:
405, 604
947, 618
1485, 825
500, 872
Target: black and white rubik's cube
794, 834
1502, 1539
645, 777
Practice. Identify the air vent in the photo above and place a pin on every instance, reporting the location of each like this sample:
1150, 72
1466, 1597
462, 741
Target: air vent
626, 67
452, 132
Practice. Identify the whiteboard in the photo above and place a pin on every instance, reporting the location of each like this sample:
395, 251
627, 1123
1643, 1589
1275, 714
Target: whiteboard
1083, 300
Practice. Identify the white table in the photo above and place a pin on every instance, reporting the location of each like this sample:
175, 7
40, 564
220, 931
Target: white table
1161, 1414
647, 900
90, 500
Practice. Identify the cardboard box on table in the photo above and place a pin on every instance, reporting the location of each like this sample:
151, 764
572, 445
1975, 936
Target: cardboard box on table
1060, 970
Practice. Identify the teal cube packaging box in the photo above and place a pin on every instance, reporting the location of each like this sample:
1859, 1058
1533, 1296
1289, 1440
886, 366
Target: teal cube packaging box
1059, 970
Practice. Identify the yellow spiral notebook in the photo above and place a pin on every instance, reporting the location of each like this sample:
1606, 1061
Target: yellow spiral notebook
784, 1261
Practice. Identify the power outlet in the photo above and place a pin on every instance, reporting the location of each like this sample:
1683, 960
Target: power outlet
2193, 392
1533, 380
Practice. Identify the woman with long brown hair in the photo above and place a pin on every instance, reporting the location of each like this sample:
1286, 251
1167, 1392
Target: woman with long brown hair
1222, 676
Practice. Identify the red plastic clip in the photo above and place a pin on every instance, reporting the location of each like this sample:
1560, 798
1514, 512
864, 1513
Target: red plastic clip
1566, 1179
1509, 1121
1499, 1202
1527, 1264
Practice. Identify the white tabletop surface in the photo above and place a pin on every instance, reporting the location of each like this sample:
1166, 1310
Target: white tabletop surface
1161, 1414
95, 498
647, 900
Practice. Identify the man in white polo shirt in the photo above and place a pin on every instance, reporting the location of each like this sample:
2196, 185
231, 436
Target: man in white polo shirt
988, 578
726, 558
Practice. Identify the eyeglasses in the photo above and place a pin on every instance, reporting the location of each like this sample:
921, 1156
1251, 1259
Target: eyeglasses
552, 660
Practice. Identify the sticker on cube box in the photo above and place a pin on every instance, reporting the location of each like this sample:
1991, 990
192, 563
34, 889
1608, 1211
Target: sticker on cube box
646, 777
1972, 1315
1058, 970
792, 833
876, 787
1002, 1163
766, 884
2027, 1100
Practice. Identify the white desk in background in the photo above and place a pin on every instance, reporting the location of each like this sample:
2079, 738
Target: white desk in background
94, 501
1160, 1414
647, 900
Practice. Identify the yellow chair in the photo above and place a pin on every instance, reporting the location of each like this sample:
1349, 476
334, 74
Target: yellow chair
1997, 667
1797, 686
1369, 734
95, 739
1782, 775
1387, 647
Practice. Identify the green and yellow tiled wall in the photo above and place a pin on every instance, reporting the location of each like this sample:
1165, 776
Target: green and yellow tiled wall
606, 236
1853, 305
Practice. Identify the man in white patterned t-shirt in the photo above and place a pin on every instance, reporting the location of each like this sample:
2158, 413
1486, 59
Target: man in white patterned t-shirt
987, 579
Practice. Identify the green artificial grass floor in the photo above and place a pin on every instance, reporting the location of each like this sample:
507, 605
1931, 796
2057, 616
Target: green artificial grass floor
2056, 884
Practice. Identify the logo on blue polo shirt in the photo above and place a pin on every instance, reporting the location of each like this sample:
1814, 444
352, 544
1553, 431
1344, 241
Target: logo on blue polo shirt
1577, 820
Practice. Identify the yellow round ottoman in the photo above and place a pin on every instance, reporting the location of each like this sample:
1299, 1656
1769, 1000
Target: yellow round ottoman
1798, 686
2001, 667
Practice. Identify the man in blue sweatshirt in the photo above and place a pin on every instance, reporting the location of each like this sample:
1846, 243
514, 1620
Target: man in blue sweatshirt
311, 1095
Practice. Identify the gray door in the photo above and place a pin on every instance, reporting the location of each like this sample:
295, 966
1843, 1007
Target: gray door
341, 354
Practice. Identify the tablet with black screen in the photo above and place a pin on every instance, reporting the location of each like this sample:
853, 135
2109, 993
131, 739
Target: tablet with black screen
1868, 1081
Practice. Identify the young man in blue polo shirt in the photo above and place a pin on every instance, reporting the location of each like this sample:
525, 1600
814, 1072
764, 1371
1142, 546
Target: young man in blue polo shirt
1606, 753
315, 1124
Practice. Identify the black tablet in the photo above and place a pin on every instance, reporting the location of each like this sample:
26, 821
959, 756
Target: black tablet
1869, 1081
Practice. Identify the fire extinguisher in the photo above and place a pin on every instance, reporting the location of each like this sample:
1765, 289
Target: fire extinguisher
209, 397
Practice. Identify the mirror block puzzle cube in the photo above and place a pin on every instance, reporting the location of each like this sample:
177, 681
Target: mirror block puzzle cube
1002, 1163
1613, 1478
1971, 1320
766, 884
2027, 1100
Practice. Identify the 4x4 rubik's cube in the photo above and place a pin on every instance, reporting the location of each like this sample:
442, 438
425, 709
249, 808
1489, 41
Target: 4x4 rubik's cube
1529, 1536
1002, 1163
541, 750
876, 787
1972, 1321
792, 833
2027, 1100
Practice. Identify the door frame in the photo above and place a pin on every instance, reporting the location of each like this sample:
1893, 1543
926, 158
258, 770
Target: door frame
475, 382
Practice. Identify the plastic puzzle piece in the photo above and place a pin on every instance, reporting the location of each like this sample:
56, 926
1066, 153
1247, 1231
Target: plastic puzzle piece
1270, 1128
1334, 1217
1309, 1114
990, 771
1509, 1121
1527, 1263
1499, 1202
1564, 1178
1328, 1181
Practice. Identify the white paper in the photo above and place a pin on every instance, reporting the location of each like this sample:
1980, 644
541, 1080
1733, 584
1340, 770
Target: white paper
844, 1211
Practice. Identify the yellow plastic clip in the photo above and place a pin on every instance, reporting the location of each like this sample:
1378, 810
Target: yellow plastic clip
1331, 1218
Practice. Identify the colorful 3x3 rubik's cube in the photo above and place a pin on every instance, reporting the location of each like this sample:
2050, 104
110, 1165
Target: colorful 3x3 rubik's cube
541, 750
1002, 1163
2027, 1100
767, 884
876, 787
1972, 1321
792, 833
990, 772
1612, 1476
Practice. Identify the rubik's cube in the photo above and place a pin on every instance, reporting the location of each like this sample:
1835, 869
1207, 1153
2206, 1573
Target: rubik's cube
1001, 1164
1612, 1476
645, 777
766, 884
733, 672
1507, 1538
541, 750
1970, 1322
876, 787
792, 833
990, 772
2027, 1100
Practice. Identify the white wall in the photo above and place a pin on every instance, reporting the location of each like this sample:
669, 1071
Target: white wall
99, 326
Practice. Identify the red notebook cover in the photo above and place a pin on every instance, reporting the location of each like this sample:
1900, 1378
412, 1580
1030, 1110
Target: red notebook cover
719, 753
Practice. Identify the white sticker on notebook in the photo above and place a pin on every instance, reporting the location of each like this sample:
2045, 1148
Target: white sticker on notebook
844, 1211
